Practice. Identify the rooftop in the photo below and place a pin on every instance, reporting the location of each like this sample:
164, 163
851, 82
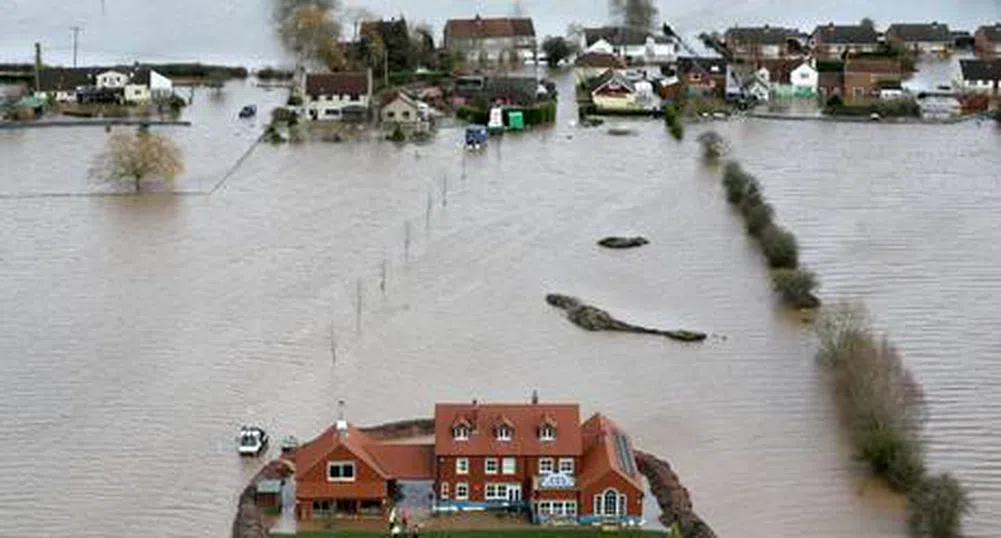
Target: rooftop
761, 35
607, 448
486, 28
921, 32
337, 83
846, 34
993, 31
621, 36
981, 69
524, 420
600, 60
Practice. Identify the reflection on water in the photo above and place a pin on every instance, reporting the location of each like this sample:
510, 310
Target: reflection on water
139, 333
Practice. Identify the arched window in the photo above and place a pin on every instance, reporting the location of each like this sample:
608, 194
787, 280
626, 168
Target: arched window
610, 504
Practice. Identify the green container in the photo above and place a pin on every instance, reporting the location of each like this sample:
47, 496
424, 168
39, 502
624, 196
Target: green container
516, 120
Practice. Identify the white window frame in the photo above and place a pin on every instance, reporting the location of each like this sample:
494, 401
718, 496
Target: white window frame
495, 491
547, 433
620, 503
509, 466
547, 466
566, 466
443, 493
461, 491
351, 464
487, 464
461, 465
504, 433
460, 433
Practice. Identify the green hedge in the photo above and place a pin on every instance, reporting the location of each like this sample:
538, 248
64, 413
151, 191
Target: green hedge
540, 114
398, 78
886, 109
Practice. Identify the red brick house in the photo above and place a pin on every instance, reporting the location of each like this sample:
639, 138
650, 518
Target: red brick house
344, 473
864, 77
987, 39
536, 456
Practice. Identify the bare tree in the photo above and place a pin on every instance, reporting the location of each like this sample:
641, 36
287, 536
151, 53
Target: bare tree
132, 157
638, 14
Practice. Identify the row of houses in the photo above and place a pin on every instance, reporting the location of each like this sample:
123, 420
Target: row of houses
120, 85
533, 456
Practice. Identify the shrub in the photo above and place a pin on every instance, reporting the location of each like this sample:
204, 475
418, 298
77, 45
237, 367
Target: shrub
677, 131
753, 196
398, 135
757, 218
270, 73
735, 182
780, 247
795, 287
281, 115
713, 145
891, 454
472, 114
937, 506
294, 100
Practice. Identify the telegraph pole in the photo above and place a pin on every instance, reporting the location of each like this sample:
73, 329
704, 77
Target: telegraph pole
76, 35
38, 67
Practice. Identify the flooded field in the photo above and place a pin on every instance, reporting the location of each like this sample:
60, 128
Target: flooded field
139, 333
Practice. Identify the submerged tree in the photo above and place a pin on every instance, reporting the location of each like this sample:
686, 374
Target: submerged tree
937, 507
132, 157
557, 49
308, 27
638, 14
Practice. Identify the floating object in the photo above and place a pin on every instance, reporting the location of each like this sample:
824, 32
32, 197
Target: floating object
590, 318
476, 137
621, 131
289, 443
253, 441
623, 242
248, 111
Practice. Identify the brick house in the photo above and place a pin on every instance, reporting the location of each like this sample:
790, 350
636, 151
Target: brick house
830, 79
987, 39
491, 40
865, 77
926, 38
535, 455
344, 473
763, 42
835, 41
703, 77
979, 76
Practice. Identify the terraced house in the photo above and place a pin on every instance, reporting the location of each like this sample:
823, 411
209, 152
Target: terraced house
925, 38
835, 41
491, 40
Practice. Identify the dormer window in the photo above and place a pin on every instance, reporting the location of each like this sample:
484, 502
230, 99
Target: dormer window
503, 433
460, 433
547, 433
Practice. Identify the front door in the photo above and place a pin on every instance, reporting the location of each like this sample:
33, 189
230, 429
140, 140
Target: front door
514, 493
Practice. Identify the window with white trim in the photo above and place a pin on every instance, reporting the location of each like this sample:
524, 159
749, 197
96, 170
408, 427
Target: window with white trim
444, 491
609, 503
462, 491
490, 466
460, 433
461, 465
547, 433
545, 465
495, 492
340, 471
503, 433
566, 465
508, 466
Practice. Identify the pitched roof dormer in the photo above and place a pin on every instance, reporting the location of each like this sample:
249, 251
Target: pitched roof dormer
503, 428
547, 428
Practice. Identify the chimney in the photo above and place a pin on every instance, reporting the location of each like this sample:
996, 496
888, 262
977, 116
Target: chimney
535, 397
341, 425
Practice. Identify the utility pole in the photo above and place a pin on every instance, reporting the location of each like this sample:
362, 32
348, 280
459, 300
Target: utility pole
76, 35
38, 67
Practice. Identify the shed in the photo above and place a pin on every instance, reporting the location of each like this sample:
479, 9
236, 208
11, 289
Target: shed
269, 493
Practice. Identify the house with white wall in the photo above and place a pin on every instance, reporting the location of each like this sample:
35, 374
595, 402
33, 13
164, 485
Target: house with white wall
978, 76
636, 47
343, 96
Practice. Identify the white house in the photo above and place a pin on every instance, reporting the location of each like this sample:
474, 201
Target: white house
978, 76
805, 79
593, 64
491, 40
112, 79
145, 84
338, 96
633, 46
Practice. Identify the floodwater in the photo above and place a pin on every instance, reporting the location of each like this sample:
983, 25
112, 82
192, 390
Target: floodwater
139, 333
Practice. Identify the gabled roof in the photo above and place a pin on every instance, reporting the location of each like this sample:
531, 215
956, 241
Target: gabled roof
312, 453
980, 69
400, 96
487, 28
337, 83
405, 462
525, 420
715, 66
873, 65
610, 77
600, 60
993, 32
761, 35
607, 449
920, 33
621, 36
846, 34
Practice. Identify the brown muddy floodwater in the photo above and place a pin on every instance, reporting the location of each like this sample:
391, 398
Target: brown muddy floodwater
139, 333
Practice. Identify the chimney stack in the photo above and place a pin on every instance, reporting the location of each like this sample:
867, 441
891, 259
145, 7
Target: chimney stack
535, 394
341, 425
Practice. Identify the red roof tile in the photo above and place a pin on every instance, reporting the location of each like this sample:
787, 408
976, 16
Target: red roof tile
600, 60
334, 490
405, 462
309, 455
355, 83
607, 449
525, 420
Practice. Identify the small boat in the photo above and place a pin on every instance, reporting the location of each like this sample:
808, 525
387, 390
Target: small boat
253, 441
248, 111
476, 137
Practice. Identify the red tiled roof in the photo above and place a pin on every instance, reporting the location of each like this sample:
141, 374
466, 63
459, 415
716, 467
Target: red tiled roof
337, 83
600, 59
873, 65
480, 28
309, 455
525, 420
405, 462
606, 450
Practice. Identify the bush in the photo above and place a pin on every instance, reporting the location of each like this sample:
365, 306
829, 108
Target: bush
473, 114
757, 217
937, 506
673, 121
795, 287
735, 182
677, 131
891, 454
270, 73
713, 145
398, 135
281, 115
780, 247
294, 100
753, 196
